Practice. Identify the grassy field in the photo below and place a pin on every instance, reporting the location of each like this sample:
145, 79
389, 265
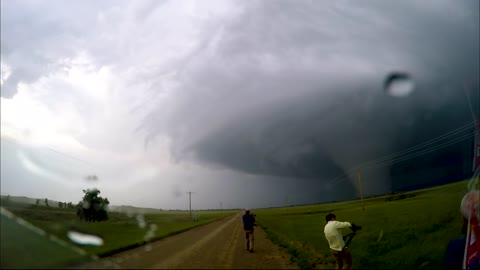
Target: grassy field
21, 253
407, 231
120, 232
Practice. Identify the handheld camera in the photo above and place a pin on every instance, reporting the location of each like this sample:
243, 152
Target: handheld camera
355, 228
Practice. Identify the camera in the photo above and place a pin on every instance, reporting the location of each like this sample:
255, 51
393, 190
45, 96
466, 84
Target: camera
355, 228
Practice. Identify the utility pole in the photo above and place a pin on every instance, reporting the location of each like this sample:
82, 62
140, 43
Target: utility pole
220, 206
469, 103
190, 201
360, 186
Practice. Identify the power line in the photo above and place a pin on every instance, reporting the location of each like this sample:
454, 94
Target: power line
389, 159
467, 96
426, 143
70, 156
393, 161
345, 177
436, 139
426, 151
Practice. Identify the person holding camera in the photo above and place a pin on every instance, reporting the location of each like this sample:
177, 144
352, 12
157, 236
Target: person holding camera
335, 240
248, 224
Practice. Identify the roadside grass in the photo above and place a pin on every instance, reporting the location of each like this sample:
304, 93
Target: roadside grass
23, 248
407, 230
120, 232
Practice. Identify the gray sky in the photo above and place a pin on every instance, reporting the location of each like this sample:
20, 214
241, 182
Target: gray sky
248, 103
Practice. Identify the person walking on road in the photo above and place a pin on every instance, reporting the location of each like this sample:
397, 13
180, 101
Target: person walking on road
336, 243
248, 224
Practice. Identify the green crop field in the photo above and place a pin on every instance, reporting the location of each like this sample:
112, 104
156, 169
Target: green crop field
407, 231
23, 248
120, 232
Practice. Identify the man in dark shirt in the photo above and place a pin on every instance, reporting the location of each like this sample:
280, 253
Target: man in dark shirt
248, 224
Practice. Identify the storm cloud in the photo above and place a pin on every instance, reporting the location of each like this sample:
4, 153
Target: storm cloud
295, 89
217, 95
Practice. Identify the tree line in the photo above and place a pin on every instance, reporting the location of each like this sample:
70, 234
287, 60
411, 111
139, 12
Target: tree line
92, 207
60, 204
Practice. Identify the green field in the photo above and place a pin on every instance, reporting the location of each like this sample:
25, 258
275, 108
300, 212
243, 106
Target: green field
407, 231
120, 232
23, 248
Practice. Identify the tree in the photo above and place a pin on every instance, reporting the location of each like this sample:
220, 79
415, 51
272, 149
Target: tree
60, 205
38, 202
92, 207
46, 202
65, 205
70, 205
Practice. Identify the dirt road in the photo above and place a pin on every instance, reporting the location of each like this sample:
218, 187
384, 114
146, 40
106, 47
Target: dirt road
218, 245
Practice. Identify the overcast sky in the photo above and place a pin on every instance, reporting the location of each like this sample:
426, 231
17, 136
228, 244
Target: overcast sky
248, 103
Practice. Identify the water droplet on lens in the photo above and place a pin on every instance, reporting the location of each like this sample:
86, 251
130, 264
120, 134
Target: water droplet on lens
141, 221
84, 238
85, 204
148, 248
399, 84
91, 178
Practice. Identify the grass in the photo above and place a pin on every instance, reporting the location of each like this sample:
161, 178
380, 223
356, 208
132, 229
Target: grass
408, 231
119, 233
18, 249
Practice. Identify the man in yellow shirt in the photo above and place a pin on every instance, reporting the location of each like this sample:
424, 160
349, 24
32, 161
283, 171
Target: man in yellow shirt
335, 241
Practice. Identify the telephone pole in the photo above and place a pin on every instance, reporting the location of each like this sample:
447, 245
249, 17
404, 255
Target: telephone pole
360, 186
190, 201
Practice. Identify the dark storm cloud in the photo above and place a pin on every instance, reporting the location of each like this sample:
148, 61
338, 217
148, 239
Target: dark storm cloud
294, 88
278, 91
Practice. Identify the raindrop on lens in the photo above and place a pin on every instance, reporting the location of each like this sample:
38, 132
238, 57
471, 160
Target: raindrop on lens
399, 84
91, 178
84, 239
141, 221
85, 204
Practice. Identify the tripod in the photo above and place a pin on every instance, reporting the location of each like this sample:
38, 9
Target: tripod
349, 238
